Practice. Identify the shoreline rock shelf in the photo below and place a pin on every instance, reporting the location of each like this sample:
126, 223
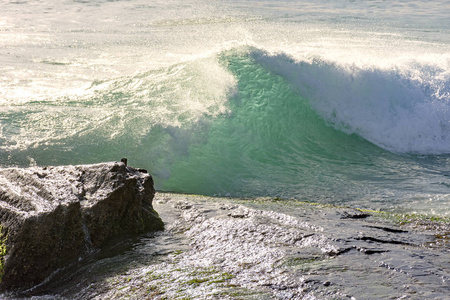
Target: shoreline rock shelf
56, 219
52, 217
266, 248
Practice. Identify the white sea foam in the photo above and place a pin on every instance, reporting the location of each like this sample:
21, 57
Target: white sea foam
105, 78
124, 106
402, 109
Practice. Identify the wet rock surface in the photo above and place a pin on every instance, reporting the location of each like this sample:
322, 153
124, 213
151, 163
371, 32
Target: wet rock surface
54, 217
221, 248
290, 250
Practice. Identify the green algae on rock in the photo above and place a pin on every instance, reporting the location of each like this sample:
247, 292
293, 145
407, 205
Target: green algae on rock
3, 251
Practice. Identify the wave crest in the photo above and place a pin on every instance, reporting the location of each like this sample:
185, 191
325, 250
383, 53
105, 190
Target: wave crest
404, 110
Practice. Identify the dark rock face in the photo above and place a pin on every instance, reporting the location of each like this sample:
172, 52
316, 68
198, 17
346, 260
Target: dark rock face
54, 216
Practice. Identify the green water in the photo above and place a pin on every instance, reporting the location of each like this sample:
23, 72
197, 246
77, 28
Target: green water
271, 137
227, 125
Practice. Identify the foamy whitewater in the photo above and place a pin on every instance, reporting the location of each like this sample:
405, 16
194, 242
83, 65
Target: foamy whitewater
343, 102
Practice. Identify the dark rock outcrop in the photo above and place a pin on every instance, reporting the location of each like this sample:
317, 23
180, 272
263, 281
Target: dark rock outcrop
54, 216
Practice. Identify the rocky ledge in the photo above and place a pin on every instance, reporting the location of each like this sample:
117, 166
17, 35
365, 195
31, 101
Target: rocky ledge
265, 248
52, 217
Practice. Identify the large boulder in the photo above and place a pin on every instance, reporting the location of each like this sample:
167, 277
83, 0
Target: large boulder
52, 217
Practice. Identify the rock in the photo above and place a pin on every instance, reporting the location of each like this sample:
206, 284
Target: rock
54, 216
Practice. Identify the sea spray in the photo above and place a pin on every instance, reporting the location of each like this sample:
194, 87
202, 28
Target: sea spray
401, 110
117, 117
274, 142
249, 123
338, 102
331, 101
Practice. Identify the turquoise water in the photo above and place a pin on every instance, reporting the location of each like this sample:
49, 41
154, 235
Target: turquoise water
333, 101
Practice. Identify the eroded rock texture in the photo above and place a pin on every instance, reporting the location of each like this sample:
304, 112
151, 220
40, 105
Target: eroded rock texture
55, 216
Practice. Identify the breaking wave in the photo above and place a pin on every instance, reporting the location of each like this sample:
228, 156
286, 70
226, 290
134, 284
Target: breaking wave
249, 123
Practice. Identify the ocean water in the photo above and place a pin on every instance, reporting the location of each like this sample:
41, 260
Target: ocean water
332, 101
